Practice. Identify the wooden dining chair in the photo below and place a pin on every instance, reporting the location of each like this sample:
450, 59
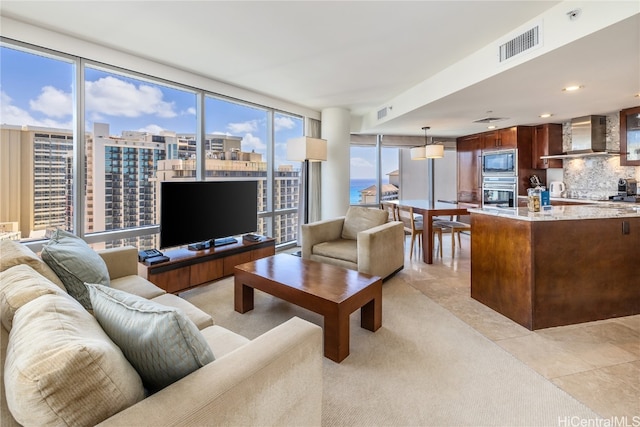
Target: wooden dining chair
390, 208
413, 225
454, 227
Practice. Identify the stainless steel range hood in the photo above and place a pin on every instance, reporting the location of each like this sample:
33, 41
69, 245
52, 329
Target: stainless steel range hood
588, 138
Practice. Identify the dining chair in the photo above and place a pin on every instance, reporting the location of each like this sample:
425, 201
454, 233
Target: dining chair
454, 227
413, 225
390, 208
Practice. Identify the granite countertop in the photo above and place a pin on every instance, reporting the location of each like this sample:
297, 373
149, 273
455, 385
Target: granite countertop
601, 210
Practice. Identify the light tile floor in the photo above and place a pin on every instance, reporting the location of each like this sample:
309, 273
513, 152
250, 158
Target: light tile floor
596, 362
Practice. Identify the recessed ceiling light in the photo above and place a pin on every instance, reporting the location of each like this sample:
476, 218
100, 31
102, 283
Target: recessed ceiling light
545, 115
491, 127
572, 88
637, 95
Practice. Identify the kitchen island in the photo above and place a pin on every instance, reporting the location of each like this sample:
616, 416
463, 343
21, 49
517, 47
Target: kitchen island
566, 265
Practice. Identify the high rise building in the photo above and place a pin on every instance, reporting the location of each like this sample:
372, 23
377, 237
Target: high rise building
123, 176
36, 179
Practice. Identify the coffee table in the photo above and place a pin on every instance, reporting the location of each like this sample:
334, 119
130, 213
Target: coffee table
331, 291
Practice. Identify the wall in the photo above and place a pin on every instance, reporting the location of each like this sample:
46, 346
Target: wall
593, 177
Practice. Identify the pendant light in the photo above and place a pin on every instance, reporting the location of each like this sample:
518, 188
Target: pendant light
427, 151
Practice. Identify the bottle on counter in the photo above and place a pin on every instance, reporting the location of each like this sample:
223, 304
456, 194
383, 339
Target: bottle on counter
534, 198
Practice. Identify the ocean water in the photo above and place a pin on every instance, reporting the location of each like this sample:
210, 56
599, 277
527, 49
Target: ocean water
356, 185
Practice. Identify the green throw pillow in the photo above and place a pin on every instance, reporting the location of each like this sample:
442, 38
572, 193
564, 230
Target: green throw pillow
161, 343
75, 263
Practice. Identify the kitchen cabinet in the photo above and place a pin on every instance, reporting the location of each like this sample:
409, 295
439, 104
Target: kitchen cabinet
547, 141
630, 137
502, 138
469, 150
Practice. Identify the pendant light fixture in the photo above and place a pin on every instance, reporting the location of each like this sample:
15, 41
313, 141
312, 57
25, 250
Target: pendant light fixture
427, 151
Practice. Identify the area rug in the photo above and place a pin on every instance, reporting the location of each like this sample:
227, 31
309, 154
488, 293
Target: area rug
423, 367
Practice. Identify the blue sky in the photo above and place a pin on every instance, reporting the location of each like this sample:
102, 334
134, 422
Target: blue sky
38, 91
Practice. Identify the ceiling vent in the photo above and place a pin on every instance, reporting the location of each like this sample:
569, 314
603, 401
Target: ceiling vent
520, 43
490, 119
382, 113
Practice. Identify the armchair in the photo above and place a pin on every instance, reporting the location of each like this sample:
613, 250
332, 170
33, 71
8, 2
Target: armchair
361, 240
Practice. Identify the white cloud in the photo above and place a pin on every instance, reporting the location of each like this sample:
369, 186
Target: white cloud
191, 111
13, 115
283, 122
153, 129
114, 97
53, 102
251, 143
243, 127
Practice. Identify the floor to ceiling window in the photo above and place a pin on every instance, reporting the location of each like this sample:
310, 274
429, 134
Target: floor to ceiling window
365, 175
36, 144
286, 178
136, 131
131, 126
237, 141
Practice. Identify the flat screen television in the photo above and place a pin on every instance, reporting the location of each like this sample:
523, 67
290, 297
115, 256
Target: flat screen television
199, 212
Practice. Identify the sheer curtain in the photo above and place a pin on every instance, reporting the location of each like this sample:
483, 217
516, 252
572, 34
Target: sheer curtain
313, 131
313, 127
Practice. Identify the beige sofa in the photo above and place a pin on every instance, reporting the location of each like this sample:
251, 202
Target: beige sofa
362, 240
275, 379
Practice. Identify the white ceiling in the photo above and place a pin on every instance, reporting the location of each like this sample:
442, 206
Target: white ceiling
361, 54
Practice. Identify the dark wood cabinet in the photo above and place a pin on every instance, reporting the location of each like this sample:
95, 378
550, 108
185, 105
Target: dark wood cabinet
542, 274
630, 137
469, 150
501, 138
547, 141
186, 269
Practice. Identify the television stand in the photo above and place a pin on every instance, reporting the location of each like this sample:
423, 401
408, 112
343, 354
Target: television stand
212, 243
188, 268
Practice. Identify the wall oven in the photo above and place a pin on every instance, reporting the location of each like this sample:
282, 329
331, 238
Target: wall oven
500, 162
500, 192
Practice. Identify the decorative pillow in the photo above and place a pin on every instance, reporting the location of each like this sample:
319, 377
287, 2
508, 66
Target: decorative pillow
18, 286
13, 253
359, 219
161, 342
75, 263
62, 369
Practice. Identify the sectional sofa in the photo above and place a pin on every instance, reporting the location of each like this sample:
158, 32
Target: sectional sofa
60, 367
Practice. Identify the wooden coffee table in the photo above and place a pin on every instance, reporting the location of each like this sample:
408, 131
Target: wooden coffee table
334, 292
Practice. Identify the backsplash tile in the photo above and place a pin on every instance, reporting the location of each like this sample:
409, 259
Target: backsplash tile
596, 178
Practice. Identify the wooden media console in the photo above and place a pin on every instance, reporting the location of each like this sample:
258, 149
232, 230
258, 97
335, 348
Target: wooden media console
187, 269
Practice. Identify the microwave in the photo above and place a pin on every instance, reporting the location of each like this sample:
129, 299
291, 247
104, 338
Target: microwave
500, 162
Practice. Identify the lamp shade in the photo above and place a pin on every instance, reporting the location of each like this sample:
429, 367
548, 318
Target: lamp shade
306, 148
434, 151
431, 151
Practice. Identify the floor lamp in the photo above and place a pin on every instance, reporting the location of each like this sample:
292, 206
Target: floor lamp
306, 149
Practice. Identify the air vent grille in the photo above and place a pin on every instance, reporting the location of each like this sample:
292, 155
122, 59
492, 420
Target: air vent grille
382, 113
519, 44
490, 119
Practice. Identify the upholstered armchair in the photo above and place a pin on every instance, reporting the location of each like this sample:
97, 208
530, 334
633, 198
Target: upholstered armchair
363, 240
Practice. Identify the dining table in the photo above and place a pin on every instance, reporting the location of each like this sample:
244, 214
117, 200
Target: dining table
430, 209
